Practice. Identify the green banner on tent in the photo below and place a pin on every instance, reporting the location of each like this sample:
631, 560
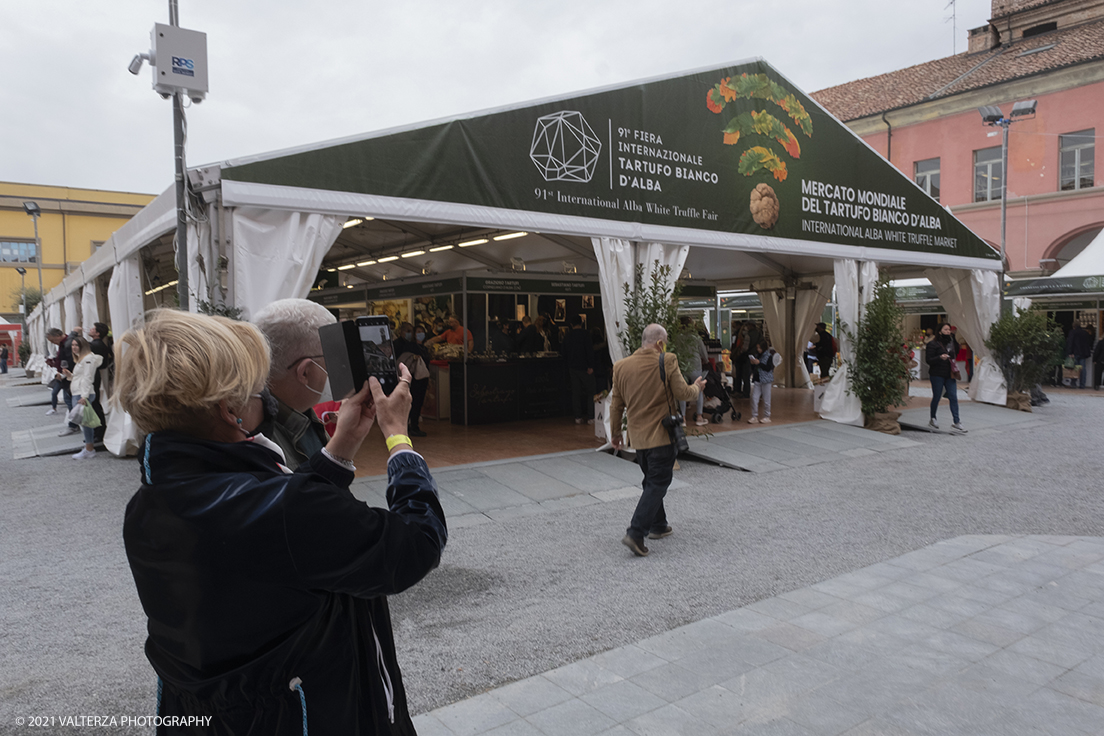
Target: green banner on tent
522, 285
928, 308
400, 290
751, 301
1042, 287
698, 291
914, 293
1066, 306
733, 150
337, 297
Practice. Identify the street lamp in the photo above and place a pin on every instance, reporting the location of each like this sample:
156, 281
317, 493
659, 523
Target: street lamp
992, 116
32, 209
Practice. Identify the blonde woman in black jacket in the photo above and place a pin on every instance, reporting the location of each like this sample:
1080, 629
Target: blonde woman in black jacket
266, 590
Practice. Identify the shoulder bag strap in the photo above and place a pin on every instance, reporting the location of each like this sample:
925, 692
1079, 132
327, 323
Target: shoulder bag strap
663, 380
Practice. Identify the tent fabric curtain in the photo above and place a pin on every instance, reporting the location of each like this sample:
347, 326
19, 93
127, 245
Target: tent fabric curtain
34, 336
70, 315
53, 316
972, 301
807, 304
277, 254
854, 286
808, 307
617, 260
772, 295
126, 304
615, 267
201, 262
90, 309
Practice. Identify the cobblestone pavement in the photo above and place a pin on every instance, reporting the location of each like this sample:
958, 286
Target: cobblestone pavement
789, 601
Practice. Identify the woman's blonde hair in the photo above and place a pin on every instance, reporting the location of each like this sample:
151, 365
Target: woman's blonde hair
173, 372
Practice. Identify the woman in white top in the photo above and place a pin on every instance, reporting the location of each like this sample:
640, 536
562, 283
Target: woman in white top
82, 379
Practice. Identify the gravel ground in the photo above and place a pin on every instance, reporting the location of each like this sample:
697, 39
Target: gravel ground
523, 596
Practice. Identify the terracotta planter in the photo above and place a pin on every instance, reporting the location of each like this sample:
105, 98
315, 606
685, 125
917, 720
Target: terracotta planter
883, 422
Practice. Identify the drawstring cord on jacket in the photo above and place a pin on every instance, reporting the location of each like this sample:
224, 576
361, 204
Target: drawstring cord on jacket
388, 688
297, 685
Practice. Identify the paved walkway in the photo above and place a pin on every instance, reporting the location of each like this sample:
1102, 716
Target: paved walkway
765, 449
975, 635
499, 490
978, 418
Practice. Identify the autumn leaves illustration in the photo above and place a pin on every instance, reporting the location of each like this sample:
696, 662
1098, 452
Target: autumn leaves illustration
764, 202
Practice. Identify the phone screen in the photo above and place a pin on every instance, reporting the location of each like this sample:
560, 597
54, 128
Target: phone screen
379, 353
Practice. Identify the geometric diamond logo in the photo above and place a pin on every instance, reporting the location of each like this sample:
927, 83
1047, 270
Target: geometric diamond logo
564, 147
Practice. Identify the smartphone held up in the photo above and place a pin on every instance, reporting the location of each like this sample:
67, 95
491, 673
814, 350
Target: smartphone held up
357, 349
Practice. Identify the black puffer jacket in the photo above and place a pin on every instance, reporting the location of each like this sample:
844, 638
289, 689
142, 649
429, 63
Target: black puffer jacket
252, 578
941, 344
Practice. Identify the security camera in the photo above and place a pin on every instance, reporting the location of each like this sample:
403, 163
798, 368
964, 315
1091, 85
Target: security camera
135, 65
197, 100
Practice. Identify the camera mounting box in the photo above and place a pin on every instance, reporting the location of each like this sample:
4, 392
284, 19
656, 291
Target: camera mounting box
180, 61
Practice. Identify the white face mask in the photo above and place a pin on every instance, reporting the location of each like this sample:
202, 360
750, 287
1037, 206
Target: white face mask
325, 394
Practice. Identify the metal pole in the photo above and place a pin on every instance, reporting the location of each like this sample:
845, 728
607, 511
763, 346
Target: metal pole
181, 221
1004, 210
464, 340
38, 259
791, 318
23, 290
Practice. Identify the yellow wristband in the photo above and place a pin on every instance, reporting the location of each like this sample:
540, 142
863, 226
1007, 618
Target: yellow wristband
398, 439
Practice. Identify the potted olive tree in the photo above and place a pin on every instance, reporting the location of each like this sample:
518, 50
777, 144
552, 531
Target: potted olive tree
1026, 345
880, 368
650, 300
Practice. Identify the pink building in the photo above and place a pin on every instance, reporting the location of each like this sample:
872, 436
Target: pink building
925, 120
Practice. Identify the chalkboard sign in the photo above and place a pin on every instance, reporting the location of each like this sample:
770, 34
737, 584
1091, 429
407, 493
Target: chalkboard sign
542, 386
492, 393
507, 392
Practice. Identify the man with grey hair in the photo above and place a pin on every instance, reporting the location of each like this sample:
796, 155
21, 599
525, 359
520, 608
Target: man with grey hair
297, 378
639, 388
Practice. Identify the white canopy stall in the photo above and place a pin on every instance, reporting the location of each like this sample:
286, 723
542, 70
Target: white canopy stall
731, 174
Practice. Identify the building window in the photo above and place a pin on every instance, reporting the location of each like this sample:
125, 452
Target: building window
987, 174
16, 251
926, 175
1076, 152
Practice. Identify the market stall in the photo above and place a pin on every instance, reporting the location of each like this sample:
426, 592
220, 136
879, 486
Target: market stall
730, 173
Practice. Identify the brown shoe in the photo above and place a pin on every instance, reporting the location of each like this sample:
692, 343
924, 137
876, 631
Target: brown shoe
665, 532
637, 546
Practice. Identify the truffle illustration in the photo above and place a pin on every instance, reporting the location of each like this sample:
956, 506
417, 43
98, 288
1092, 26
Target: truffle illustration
764, 206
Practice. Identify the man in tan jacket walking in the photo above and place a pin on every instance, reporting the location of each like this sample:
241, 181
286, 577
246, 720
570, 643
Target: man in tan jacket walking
637, 387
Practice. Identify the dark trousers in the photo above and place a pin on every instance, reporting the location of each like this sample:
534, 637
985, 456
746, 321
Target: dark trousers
417, 398
658, 464
1098, 371
582, 394
741, 375
98, 408
939, 386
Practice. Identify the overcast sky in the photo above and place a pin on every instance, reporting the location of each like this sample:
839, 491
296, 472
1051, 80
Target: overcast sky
285, 73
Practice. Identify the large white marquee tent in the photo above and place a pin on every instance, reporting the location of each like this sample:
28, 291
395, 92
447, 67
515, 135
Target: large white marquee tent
730, 174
